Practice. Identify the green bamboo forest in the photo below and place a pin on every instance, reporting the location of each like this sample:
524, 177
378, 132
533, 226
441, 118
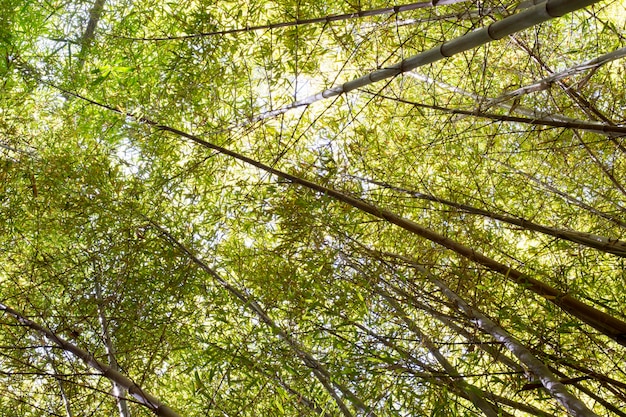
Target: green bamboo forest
350, 208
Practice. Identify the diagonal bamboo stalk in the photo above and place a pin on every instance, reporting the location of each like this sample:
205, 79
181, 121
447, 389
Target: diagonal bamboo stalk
545, 82
490, 410
530, 17
141, 396
301, 22
118, 391
589, 392
570, 199
585, 105
573, 405
599, 320
484, 103
316, 367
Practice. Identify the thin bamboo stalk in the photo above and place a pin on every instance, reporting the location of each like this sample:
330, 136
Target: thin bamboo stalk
545, 82
486, 407
550, 122
301, 22
601, 243
318, 369
118, 391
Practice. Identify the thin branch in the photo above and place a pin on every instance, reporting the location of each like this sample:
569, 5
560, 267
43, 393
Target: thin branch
301, 22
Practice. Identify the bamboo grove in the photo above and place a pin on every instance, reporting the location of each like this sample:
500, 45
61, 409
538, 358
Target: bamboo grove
313, 208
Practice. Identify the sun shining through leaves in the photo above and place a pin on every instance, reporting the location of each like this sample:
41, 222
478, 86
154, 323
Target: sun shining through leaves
313, 208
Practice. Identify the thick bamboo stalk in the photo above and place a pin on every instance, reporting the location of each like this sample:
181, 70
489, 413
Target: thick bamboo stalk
141, 396
530, 17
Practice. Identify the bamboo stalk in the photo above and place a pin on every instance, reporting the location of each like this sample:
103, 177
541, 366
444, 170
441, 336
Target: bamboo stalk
599, 320
601, 243
529, 17
141, 396
572, 404
317, 368
551, 122
545, 82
